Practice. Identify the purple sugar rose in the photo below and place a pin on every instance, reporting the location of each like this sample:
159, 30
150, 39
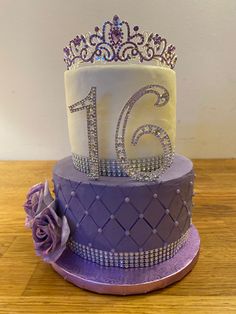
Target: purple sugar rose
49, 231
50, 234
32, 204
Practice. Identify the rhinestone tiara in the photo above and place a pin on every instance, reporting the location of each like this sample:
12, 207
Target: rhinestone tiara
116, 41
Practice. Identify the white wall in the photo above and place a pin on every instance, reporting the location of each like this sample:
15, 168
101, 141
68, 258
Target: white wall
33, 32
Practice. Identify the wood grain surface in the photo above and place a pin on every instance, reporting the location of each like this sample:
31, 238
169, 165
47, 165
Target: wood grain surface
27, 285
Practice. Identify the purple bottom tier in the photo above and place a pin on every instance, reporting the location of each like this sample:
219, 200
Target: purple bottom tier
119, 222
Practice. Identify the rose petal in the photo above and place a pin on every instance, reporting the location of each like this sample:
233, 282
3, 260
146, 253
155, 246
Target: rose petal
47, 197
50, 232
53, 256
65, 231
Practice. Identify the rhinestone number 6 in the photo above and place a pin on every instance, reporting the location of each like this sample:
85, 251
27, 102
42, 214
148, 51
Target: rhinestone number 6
162, 99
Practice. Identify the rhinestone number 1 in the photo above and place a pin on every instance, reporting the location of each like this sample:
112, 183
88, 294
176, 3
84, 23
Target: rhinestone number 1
135, 173
89, 104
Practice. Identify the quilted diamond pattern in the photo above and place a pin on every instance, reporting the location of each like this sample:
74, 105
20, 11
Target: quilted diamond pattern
88, 227
154, 212
126, 215
140, 237
153, 242
85, 194
165, 227
101, 243
62, 198
126, 245
142, 199
77, 208
175, 232
114, 202
175, 206
103, 216
113, 228
183, 219
125, 218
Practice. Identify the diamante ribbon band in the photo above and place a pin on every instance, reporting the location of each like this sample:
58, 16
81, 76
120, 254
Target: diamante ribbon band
112, 168
128, 259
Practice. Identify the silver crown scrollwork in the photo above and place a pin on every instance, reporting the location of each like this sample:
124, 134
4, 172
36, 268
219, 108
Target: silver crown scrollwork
117, 41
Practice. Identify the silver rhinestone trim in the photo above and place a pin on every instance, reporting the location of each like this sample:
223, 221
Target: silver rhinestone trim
112, 167
128, 259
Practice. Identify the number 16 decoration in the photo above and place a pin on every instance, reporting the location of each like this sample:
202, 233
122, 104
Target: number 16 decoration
89, 103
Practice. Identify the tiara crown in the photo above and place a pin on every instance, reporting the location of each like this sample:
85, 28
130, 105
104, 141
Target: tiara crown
116, 42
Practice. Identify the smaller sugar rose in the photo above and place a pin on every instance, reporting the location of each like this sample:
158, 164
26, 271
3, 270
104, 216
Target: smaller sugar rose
50, 234
33, 202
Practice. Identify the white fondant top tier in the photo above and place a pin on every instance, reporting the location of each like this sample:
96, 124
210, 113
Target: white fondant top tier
115, 85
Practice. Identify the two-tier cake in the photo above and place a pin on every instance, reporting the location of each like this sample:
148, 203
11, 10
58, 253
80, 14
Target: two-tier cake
121, 221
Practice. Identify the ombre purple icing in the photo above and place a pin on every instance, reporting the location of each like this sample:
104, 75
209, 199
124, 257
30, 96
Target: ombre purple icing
121, 215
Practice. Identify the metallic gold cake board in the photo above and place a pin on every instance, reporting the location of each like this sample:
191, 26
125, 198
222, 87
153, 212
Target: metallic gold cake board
121, 281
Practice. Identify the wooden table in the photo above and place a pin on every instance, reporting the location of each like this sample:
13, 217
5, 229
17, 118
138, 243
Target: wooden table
27, 285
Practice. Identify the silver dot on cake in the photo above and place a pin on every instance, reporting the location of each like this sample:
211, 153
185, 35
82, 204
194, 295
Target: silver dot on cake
191, 182
184, 202
112, 216
141, 216
127, 199
127, 233
154, 231
176, 223
72, 193
167, 211
66, 206
86, 212
155, 195
99, 230
178, 191
97, 197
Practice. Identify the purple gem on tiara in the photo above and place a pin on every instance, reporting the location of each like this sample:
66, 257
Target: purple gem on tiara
77, 40
116, 20
157, 39
171, 48
83, 38
116, 35
67, 51
115, 41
